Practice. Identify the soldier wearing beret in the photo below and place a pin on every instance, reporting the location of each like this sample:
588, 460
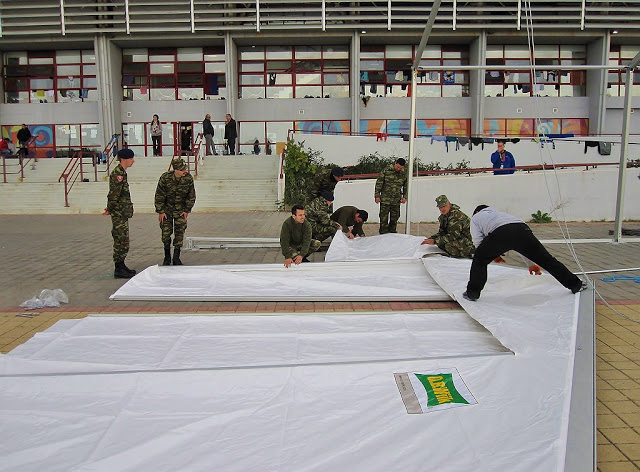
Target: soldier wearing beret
454, 235
391, 191
175, 197
120, 208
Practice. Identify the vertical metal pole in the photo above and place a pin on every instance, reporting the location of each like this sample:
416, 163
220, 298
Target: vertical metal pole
126, 15
582, 14
389, 15
519, 17
624, 144
258, 16
455, 9
412, 131
4, 168
62, 25
193, 19
324, 15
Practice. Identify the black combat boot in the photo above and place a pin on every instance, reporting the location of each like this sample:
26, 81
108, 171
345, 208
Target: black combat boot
176, 256
167, 256
131, 271
121, 272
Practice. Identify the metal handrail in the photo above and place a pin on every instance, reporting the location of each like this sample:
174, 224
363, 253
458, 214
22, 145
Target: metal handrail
196, 150
111, 151
75, 169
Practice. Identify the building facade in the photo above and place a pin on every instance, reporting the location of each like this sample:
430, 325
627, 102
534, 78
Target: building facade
78, 71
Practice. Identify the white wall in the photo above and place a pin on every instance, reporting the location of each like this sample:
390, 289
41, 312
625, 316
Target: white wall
49, 113
585, 195
346, 150
173, 111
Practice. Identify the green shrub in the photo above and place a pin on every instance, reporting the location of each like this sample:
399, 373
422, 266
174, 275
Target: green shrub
300, 165
540, 217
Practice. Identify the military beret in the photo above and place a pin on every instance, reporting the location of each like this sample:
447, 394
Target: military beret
327, 195
401, 161
441, 201
125, 154
179, 164
337, 172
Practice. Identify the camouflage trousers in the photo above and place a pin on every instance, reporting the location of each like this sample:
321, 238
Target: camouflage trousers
389, 216
321, 233
175, 225
313, 247
462, 248
120, 233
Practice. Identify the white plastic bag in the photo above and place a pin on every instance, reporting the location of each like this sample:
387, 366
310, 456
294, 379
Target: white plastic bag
47, 298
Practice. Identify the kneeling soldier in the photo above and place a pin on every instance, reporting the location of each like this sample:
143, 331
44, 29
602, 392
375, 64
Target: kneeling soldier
175, 197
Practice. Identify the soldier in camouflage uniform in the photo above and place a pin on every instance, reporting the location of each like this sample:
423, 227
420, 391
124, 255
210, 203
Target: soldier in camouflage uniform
454, 236
175, 197
351, 219
318, 213
324, 180
120, 208
295, 238
391, 191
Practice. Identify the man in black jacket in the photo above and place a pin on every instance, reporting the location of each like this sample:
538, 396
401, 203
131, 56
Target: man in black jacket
23, 136
207, 130
230, 134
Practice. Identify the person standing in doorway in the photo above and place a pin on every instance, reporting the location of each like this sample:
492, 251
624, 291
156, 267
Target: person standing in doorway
120, 208
207, 130
156, 136
230, 134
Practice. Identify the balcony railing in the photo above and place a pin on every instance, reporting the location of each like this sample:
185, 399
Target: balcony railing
88, 17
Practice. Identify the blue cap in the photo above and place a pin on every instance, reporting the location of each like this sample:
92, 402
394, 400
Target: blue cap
125, 154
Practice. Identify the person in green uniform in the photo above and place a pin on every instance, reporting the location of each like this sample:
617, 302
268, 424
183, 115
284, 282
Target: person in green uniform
318, 213
391, 191
120, 208
454, 235
175, 197
350, 218
295, 238
325, 179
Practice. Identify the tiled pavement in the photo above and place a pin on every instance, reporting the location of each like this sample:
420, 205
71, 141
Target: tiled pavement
73, 252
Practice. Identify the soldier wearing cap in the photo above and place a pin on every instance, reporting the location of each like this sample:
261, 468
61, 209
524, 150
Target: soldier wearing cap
175, 197
318, 213
120, 208
326, 179
454, 235
391, 191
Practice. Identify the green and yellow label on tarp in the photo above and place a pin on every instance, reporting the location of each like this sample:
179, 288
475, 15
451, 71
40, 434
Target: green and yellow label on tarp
425, 392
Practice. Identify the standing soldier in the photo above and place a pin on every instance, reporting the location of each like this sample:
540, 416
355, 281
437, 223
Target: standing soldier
391, 191
318, 213
175, 197
454, 235
120, 208
326, 179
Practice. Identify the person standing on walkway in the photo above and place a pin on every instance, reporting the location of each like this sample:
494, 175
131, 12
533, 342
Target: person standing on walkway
454, 234
156, 136
207, 130
23, 136
230, 134
503, 159
295, 238
120, 208
318, 213
175, 197
391, 191
495, 233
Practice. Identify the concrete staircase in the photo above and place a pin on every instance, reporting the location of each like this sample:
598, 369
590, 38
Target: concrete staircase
224, 183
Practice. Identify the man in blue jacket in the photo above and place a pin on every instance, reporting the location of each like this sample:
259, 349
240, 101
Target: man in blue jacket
503, 159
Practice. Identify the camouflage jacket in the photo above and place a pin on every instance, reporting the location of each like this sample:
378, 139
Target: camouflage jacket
295, 235
323, 180
175, 194
455, 232
319, 214
119, 200
391, 185
346, 216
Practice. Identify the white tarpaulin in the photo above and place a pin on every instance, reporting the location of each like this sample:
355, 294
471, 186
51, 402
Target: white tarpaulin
278, 393
391, 246
340, 281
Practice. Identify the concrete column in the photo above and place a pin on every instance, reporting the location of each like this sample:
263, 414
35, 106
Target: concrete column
354, 58
109, 75
477, 56
231, 54
597, 54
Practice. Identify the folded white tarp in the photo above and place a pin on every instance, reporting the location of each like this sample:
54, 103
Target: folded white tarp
339, 281
390, 246
309, 392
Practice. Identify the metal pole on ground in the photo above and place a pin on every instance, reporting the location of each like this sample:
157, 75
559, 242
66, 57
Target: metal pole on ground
624, 145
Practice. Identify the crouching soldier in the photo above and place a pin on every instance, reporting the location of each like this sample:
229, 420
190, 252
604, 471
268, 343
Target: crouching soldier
454, 235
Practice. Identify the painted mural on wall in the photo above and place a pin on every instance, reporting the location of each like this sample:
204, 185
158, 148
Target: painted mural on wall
333, 127
449, 127
527, 127
43, 134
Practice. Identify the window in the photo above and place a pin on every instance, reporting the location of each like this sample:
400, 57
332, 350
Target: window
621, 55
548, 80
529, 127
385, 71
48, 76
293, 72
174, 73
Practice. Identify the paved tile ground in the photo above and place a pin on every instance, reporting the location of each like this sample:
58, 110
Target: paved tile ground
73, 252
